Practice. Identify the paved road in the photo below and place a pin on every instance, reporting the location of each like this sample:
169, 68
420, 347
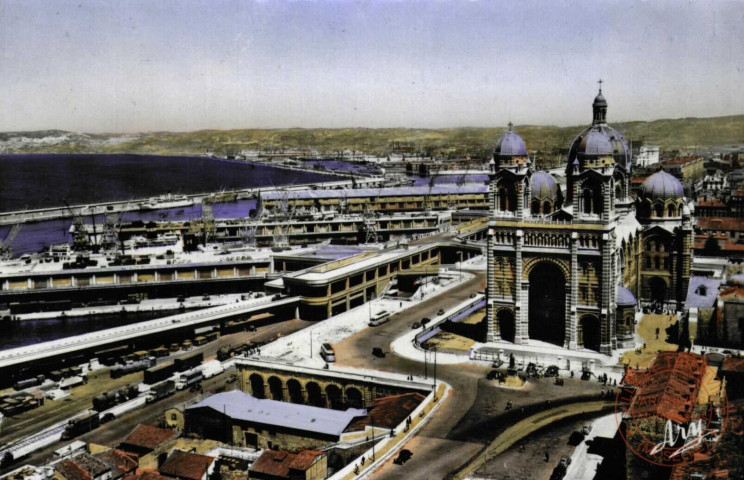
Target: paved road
109, 434
469, 419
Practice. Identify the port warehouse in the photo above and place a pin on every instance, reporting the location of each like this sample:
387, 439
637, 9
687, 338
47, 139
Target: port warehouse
301, 229
55, 290
318, 291
396, 199
334, 287
41, 359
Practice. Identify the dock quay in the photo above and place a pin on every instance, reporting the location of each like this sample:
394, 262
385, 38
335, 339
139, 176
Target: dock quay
24, 362
298, 230
121, 206
44, 290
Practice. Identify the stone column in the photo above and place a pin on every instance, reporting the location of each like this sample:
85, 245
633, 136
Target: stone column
493, 335
573, 300
521, 291
606, 286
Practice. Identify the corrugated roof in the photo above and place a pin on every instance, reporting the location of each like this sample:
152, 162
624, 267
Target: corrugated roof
186, 465
375, 192
241, 406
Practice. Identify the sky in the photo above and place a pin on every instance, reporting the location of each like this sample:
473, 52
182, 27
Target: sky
135, 66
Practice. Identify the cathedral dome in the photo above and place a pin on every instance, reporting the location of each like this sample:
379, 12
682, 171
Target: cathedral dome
544, 186
662, 185
600, 140
510, 145
625, 297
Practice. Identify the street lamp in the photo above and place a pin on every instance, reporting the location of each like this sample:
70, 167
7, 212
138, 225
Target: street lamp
459, 254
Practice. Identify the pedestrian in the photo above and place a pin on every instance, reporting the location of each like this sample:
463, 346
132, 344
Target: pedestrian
547, 457
521, 448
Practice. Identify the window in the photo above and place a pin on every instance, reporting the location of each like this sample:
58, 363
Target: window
702, 290
656, 263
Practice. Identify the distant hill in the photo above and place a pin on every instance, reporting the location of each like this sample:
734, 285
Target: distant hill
669, 134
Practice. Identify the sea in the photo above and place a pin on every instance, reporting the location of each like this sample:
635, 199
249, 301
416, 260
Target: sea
40, 181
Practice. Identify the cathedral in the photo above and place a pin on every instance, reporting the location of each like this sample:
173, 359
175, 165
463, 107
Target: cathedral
569, 253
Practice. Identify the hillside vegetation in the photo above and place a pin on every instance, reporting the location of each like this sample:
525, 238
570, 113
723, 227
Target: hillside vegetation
672, 134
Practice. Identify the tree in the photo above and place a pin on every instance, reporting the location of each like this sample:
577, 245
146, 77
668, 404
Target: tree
711, 247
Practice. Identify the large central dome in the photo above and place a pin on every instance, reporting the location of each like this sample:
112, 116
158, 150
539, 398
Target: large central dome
600, 140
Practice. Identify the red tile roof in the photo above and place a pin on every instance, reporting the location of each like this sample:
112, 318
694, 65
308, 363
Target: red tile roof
279, 464
305, 459
717, 223
713, 202
145, 476
120, 462
72, 471
387, 412
732, 293
187, 465
669, 389
733, 364
681, 160
148, 437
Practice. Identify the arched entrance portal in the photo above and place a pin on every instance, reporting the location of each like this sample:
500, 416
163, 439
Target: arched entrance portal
547, 304
505, 319
658, 289
590, 333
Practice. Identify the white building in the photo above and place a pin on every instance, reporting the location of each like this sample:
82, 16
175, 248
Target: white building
647, 156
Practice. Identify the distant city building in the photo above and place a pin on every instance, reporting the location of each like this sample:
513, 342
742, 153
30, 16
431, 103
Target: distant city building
567, 268
687, 169
647, 156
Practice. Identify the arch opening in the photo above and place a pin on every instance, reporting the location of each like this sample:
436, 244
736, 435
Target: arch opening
315, 395
294, 388
335, 397
354, 398
590, 332
276, 389
507, 324
257, 386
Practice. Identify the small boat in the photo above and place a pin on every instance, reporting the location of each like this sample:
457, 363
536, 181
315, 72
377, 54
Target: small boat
168, 200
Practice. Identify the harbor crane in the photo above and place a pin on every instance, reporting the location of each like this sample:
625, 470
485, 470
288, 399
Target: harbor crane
6, 249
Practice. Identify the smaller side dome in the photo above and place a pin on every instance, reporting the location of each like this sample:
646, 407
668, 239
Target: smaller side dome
544, 186
625, 297
662, 185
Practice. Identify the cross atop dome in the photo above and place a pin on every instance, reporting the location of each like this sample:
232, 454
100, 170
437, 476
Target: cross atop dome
600, 81
511, 125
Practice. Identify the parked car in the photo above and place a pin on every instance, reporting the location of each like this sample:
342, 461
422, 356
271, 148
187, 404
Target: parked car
403, 457
492, 375
416, 325
107, 417
377, 352
440, 312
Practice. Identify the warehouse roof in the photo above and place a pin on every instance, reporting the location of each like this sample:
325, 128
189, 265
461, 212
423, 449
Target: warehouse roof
241, 406
375, 192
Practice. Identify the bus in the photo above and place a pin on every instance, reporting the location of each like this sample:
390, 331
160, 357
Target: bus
379, 318
327, 352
